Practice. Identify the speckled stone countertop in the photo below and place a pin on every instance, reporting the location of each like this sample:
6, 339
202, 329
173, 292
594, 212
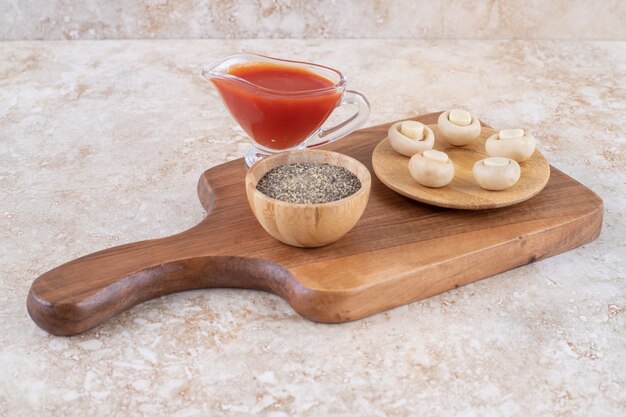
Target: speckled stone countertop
102, 143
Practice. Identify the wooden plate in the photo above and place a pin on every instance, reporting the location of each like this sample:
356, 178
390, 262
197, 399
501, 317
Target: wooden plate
462, 193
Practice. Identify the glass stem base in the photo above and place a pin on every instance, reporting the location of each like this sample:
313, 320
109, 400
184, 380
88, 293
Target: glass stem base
254, 154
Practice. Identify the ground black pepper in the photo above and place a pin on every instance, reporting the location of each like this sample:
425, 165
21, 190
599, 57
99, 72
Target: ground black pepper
308, 183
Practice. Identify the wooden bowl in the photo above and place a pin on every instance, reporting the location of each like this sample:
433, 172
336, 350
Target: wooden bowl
307, 225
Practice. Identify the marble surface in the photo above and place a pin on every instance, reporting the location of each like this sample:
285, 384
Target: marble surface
424, 19
103, 142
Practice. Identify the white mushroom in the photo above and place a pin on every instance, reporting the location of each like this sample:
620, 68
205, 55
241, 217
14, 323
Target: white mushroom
511, 143
410, 137
432, 168
496, 173
458, 127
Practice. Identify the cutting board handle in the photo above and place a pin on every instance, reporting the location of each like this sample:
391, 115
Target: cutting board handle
83, 293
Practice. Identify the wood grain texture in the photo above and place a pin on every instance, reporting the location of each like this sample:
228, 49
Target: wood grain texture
400, 251
308, 225
463, 192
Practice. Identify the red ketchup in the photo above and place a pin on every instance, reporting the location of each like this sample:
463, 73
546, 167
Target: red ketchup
290, 104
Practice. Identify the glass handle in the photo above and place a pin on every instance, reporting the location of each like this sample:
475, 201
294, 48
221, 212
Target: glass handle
346, 127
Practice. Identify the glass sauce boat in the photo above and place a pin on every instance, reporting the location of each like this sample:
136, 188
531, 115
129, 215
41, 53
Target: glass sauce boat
283, 104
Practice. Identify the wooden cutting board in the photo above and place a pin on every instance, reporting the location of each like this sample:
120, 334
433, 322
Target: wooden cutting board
400, 251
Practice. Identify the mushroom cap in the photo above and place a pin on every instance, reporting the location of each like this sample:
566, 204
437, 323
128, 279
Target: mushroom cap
431, 173
496, 178
519, 149
407, 146
458, 135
